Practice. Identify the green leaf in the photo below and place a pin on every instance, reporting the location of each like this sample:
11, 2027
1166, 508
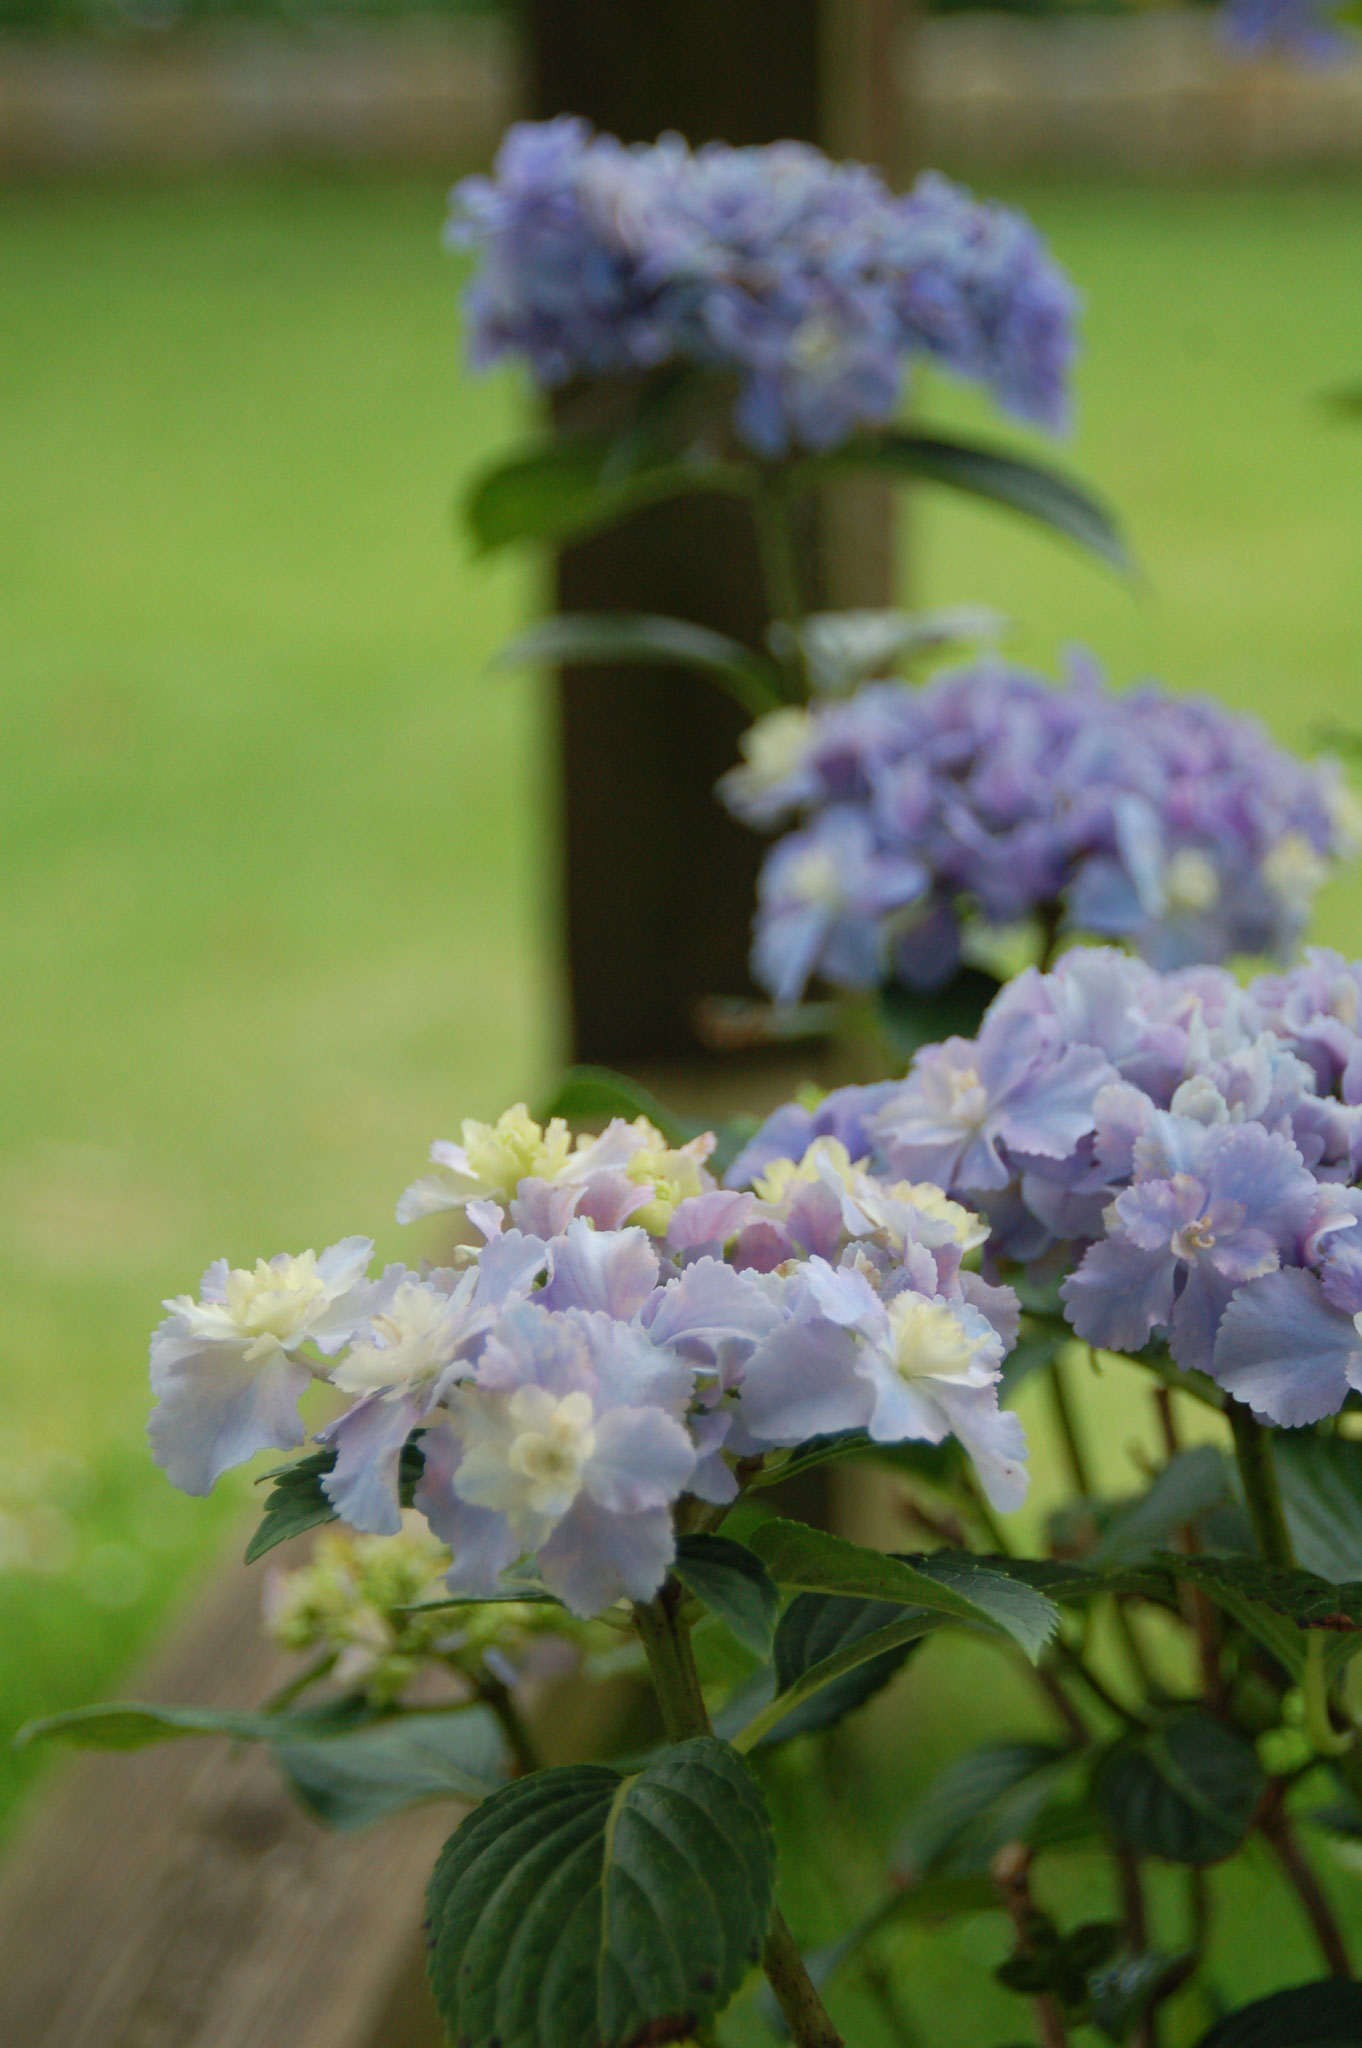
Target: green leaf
136, 1724
297, 1502
580, 1906
946, 1583
975, 1806
804, 1707
1321, 1484
1189, 1486
353, 1780
1185, 1791
911, 1018
1062, 1963
1004, 479
591, 1093
814, 1629
575, 484
1276, 1606
1323, 2015
573, 639
733, 1583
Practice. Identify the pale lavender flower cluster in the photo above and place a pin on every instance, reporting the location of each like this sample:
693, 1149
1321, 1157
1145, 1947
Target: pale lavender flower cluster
809, 280
1185, 1150
992, 794
624, 1332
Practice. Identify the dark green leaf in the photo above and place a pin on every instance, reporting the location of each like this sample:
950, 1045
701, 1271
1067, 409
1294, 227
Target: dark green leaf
1010, 480
1276, 1606
297, 1503
1323, 2015
1186, 1791
353, 1780
818, 1626
579, 1906
1120, 1994
947, 1583
595, 1093
581, 639
801, 1708
733, 1583
1321, 1483
576, 484
911, 1018
1189, 1486
1062, 1963
975, 1806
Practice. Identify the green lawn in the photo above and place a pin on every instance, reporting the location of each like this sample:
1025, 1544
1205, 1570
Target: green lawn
278, 903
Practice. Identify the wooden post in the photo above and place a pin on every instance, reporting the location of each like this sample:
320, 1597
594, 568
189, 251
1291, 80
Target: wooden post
658, 882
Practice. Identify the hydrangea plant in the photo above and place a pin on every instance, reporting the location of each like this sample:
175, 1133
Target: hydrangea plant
573, 1438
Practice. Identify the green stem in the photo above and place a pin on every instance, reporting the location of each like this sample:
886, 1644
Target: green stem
805, 2013
780, 572
1262, 1495
1299, 1874
518, 1737
1328, 1740
671, 1664
1074, 1447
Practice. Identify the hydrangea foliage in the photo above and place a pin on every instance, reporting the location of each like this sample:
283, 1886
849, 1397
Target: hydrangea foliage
622, 1333
810, 281
1184, 1150
1162, 821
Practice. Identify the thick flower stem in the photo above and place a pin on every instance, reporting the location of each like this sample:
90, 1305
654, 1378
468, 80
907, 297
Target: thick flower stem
671, 1665
1262, 1495
805, 2013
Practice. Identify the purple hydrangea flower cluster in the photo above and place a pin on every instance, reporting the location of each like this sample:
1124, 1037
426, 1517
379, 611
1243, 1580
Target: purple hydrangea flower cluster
1186, 1150
991, 793
625, 1331
809, 280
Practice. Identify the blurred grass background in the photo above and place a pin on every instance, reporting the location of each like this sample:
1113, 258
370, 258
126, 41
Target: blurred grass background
278, 900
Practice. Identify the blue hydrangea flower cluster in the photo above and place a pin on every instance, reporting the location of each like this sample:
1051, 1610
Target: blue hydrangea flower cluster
1187, 1151
990, 793
809, 280
1308, 30
624, 1332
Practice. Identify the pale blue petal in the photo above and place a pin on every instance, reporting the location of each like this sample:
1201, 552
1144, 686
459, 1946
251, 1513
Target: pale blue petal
613, 1270
1286, 1351
217, 1407
594, 1558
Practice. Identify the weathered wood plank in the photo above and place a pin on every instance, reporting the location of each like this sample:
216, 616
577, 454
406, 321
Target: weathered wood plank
177, 1898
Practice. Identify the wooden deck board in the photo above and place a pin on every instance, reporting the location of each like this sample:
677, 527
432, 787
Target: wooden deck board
178, 1898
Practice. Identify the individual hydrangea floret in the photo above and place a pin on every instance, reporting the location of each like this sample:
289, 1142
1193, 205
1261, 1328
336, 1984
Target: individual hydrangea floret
808, 282
620, 1334
993, 798
1187, 1151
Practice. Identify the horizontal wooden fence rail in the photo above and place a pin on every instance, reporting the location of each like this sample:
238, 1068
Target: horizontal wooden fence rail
1154, 93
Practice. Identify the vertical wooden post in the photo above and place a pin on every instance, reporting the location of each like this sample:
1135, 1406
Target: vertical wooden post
658, 881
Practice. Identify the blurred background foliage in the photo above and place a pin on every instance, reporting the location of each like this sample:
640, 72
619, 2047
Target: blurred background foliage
278, 899
153, 17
